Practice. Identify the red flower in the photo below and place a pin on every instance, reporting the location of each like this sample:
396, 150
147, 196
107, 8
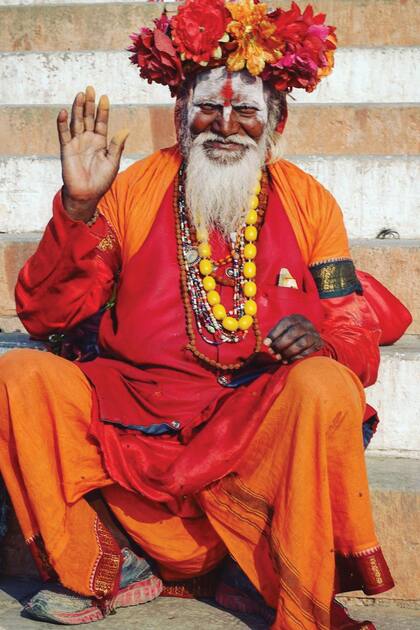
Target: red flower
156, 56
198, 27
308, 46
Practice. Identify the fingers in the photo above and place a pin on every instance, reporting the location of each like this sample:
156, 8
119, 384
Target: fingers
293, 338
64, 134
116, 146
102, 116
283, 326
89, 109
77, 125
301, 347
83, 113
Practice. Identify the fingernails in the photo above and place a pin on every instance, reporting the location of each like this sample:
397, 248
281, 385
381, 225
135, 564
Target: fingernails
278, 357
267, 342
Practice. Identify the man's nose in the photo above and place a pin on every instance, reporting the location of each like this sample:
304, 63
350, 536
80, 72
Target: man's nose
226, 123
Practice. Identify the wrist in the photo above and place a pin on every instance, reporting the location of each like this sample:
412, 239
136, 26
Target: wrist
79, 209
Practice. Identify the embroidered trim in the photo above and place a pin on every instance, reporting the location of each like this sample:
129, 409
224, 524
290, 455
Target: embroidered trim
106, 570
336, 278
327, 260
365, 569
107, 243
366, 552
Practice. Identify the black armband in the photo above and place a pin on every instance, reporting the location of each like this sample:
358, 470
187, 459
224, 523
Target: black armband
335, 278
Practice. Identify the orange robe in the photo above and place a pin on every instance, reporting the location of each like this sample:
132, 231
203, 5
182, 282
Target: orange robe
297, 497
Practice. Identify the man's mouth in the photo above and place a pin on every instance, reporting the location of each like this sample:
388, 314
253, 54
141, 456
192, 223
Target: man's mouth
224, 146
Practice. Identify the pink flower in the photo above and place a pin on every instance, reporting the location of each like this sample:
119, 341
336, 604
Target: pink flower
307, 45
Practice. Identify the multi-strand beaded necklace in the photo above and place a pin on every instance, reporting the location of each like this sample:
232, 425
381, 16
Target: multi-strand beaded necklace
199, 281
198, 277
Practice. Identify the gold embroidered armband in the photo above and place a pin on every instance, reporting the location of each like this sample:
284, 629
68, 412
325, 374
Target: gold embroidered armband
335, 278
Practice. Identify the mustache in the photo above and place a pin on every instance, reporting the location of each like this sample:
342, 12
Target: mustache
208, 136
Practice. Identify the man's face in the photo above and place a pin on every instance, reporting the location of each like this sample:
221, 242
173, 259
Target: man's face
231, 110
223, 138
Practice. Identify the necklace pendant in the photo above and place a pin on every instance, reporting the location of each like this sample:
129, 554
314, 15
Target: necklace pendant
224, 380
230, 272
191, 255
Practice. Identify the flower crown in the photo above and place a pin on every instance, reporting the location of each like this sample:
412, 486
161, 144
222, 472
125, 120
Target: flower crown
290, 49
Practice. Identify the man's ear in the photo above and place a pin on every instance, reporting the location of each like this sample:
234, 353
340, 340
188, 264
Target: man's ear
283, 115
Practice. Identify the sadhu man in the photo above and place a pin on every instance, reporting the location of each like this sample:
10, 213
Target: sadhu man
220, 411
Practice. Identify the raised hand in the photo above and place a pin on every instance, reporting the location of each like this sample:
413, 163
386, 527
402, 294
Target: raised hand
89, 165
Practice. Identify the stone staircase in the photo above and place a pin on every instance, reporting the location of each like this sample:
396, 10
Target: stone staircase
356, 134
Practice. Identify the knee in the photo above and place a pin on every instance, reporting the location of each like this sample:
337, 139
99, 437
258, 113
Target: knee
21, 364
323, 381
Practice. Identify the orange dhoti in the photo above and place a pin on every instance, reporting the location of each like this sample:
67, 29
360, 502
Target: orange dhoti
298, 496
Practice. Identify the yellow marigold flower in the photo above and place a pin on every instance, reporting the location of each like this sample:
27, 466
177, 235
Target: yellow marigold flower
254, 33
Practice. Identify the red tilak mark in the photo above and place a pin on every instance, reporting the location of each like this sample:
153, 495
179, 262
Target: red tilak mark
227, 91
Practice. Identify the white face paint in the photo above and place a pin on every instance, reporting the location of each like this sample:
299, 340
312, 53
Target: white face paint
228, 90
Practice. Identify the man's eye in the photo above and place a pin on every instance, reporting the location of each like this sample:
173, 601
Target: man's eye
208, 107
246, 111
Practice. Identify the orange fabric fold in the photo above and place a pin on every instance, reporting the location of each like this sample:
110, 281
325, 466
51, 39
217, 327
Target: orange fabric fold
300, 494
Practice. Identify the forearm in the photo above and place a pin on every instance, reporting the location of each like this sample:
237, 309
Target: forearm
69, 277
351, 335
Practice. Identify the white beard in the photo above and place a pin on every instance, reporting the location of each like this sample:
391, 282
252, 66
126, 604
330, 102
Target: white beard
219, 183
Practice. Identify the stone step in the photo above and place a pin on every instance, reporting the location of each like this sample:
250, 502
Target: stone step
395, 494
391, 261
385, 130
396, 395
375, 192
43, 26
185, 614
54, 77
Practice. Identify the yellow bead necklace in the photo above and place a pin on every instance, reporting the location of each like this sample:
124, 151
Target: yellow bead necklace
198, 311
249, 287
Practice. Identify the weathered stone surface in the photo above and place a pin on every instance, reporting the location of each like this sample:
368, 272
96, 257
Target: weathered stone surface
393, 262
396, 396
311, 129
81, 27
78, 27
13, 253
33, 131
42, 78
395, 492
10, 324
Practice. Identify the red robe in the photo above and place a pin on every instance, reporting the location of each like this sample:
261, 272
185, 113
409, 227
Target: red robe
179, 408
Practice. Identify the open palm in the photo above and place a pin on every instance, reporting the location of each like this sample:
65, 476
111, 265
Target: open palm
89, 165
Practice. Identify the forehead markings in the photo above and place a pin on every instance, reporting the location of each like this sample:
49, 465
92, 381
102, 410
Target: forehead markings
227, 91
220, 86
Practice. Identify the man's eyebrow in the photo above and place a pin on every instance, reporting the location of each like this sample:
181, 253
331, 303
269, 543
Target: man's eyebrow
250, 104
211, 101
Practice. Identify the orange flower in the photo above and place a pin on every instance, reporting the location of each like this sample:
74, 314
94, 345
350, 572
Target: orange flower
329, 57
255, 36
